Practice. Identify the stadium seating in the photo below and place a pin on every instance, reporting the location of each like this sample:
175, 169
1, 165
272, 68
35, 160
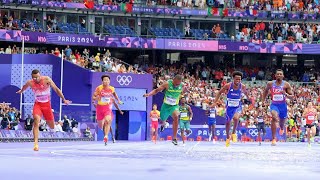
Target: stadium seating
72, 28
166, 32
119, 30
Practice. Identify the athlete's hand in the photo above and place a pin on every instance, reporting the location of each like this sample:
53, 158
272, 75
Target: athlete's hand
120, 102
146, 95
67, 102
121, 112
19, 92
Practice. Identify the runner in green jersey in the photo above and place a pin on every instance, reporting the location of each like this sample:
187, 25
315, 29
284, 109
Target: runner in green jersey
185, 118
170, 107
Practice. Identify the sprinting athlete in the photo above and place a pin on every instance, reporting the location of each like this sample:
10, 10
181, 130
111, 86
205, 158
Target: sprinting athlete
280, 89
211, 112
234, 91
155, 116
170, 107
185, 118
40, 86
260, 116
104, 95
310, 113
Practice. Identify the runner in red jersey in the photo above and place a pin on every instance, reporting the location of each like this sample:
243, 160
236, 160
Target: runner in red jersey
310, 113
155, 116
40, 85
104, 95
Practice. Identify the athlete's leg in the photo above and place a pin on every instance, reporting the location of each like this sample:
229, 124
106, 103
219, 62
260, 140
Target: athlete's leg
308, 134
35, 130
112, 135
213, 130
107, 125
175, 117
48, 114
182, 128
275, 119
210, 130
229, 116
235, 125
314, 130
37, 114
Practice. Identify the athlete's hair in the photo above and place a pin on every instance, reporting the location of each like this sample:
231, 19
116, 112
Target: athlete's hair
103, 76
280, 71
154, 105
237, 73
178, 77
35, 71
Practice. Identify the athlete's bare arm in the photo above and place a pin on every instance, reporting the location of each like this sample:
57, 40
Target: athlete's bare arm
57, 90
289, 92
159, 89
191, 113
304, 112
24, 87
222, 90
266, 91
245, 91
118, 108
95, 96
117, 98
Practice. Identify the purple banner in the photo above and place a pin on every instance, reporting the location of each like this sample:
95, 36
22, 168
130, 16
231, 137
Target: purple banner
251, 133
181, 44
168, 44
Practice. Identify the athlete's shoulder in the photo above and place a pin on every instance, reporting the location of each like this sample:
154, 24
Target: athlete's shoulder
99, 88
269, 83
112, 88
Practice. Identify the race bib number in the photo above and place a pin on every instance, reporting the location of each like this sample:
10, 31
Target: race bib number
184, 114
106, 100
154, 119
278, 97
311, 118
171, 101
44, 98
233, 102
213, 115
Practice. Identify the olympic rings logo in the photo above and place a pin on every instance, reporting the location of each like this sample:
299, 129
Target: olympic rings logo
124, 80
253, 132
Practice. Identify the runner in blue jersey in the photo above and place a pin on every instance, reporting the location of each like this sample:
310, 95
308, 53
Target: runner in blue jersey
211, 112
279, 89
234, 91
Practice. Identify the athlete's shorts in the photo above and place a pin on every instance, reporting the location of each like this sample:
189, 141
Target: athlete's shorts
43, 109
243, 130
184, 125
154, 125
290, 128
231, 111
212, 121
260, 127
102, 111
167, 110
309, 125
281, 109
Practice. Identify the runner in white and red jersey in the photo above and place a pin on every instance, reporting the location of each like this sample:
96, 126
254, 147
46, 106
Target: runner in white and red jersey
310, 113
41, 87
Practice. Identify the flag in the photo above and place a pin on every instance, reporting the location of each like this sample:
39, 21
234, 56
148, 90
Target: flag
213, 11
89, 4
225, 12
126, 7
